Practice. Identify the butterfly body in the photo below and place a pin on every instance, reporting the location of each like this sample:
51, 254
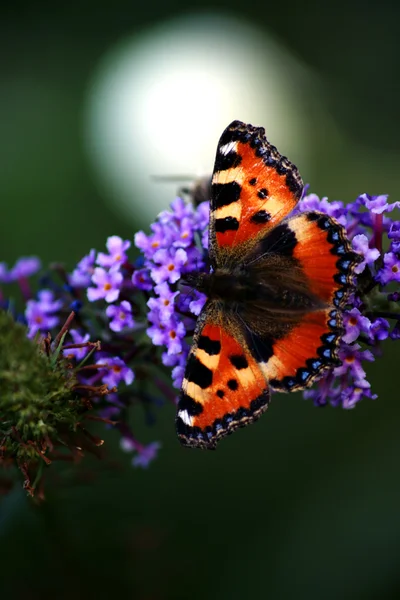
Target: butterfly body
275, 290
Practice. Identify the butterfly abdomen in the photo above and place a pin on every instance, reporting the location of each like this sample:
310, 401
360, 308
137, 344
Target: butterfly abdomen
227, 286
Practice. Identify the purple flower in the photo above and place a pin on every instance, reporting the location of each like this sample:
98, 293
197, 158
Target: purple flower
4, 274
170, 360
395, 247
352, 357
353, 394
395, 333
379, 330
170, 265
394, 297
174, 336
324, 392
185, 235
40, 315
82, 274
196, 305
361, 246
121, 315
25, 267
156, 334
108, 285
117, 255
164, 304
378, 204
391, 269
355, 323
157, 331
117, 371
178, 373
179, 211
202, 216
394, 231
142, 280
394, 235
145, 455
77, 353
149, 245
333, 209
48, 302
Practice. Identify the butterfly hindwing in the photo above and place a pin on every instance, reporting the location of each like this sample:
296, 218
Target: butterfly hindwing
223, 387
325, 255
316, 257
306, 349
253, 189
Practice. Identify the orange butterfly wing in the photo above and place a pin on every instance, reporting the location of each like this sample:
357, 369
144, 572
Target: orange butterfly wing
253, 189
224, 387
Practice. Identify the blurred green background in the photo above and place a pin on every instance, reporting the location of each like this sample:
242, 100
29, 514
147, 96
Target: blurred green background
304, 504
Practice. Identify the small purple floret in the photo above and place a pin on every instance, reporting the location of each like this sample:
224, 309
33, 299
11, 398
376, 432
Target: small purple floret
40, 314
370, 255
391, 269
146, 454
108, 285
169, 265
120, 315
117, 371
81, 276
77, 353
117, 253
25, 267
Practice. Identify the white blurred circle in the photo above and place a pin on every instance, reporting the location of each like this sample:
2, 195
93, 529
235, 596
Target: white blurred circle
159, 101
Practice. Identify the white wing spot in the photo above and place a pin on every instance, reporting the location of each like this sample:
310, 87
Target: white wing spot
184, 415
228, 148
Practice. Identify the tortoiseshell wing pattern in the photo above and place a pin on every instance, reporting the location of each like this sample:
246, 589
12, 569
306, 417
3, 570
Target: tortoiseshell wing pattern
279, 323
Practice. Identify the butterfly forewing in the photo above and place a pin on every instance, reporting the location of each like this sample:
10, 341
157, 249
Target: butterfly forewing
253, 189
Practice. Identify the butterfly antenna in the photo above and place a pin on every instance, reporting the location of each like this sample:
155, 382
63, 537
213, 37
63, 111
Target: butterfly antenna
172, 178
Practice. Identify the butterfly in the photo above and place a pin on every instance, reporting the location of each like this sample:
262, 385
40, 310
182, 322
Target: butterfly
275, 291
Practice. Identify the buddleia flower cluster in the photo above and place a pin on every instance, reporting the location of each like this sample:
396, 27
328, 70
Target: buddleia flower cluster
122, 324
